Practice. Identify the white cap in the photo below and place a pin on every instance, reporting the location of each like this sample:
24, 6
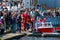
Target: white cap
0, 2
44, 18
2, 17
37, 10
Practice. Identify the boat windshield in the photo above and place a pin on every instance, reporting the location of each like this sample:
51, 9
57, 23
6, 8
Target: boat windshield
43, 24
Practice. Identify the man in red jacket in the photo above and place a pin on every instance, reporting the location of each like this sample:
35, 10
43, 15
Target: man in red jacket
25, 20
28, 22
22, 23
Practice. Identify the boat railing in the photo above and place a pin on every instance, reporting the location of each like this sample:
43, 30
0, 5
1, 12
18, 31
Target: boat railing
43, 24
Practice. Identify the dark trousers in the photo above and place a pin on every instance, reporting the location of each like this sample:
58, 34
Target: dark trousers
19, 27
1, 31
7, 25
27, 26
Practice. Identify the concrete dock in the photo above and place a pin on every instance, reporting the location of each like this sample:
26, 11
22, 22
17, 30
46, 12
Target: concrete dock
14, 35
18, 35
45, 34
34, 34
11, 35
51, 35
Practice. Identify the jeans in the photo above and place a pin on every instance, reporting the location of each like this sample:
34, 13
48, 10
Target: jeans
13, 28
18, 27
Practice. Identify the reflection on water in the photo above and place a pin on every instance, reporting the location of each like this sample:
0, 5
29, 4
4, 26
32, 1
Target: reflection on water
38, 38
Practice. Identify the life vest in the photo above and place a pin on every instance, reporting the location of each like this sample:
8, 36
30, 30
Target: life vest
39, 20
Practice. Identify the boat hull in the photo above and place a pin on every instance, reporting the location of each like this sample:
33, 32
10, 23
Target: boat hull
58, 29
45, 30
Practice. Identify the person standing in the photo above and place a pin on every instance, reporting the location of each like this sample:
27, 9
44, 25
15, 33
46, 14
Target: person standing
19, 21
22, 23
13, 22
1, 25
6, 18
32, 15
27, 20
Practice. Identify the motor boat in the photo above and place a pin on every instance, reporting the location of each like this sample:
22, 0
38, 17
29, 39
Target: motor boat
44, 27
57, 29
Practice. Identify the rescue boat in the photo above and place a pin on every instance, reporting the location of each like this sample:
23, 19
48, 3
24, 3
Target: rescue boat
44, 27
57, 29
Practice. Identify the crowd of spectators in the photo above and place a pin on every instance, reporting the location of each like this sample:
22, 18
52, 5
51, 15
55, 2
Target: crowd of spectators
12, 14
